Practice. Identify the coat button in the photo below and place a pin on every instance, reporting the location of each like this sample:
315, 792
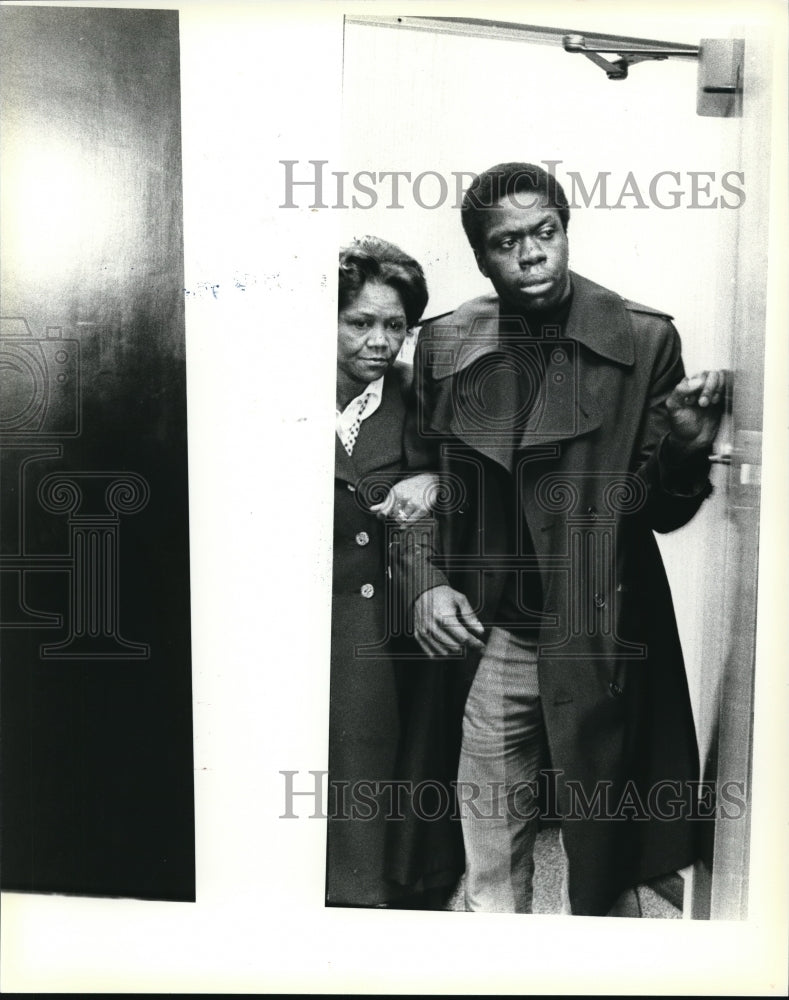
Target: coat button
599, 601
367, 590
615, 688
362, 538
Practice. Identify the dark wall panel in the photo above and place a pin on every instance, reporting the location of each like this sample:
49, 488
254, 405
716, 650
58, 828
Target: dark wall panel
97, 777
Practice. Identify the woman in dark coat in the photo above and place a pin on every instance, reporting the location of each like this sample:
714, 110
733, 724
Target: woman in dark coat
387, 732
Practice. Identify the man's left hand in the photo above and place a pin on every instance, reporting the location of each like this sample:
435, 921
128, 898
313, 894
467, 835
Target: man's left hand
694, 411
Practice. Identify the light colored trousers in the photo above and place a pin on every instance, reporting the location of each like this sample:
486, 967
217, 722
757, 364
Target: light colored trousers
502, 752
501, 755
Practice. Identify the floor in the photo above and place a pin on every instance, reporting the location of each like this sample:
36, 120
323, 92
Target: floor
549, 864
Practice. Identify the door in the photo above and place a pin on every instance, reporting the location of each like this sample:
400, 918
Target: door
529, 99
720, 883
94, 565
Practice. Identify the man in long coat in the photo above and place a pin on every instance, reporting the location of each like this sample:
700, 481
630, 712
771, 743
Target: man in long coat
566, 434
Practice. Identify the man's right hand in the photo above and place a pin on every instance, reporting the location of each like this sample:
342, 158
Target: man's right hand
444, 622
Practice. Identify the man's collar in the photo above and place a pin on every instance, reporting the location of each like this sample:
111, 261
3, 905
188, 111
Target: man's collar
598, 319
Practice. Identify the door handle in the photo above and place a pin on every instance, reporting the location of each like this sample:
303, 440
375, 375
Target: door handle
748, 451
723, 457
725, 450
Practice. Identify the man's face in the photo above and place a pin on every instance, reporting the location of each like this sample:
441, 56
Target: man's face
370, 332
525, 252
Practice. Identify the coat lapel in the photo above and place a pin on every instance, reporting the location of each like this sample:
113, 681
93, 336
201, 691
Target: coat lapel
457, 349
598, 319
343, 463
572, 393
380, 441
379, 444
575, 380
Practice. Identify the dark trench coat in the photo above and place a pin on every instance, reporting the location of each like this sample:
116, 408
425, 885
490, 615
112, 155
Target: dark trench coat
596, 480
388, 719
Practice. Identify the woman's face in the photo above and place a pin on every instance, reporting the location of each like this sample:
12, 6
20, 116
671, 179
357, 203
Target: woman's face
370, 333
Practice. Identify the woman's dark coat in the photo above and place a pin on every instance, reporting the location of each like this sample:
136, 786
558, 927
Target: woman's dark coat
597, 480
388, 718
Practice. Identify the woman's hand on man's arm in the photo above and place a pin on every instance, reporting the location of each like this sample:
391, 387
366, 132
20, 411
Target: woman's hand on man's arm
410, 499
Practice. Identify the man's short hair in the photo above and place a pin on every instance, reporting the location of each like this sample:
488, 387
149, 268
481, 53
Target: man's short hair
372, 259
513, 181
